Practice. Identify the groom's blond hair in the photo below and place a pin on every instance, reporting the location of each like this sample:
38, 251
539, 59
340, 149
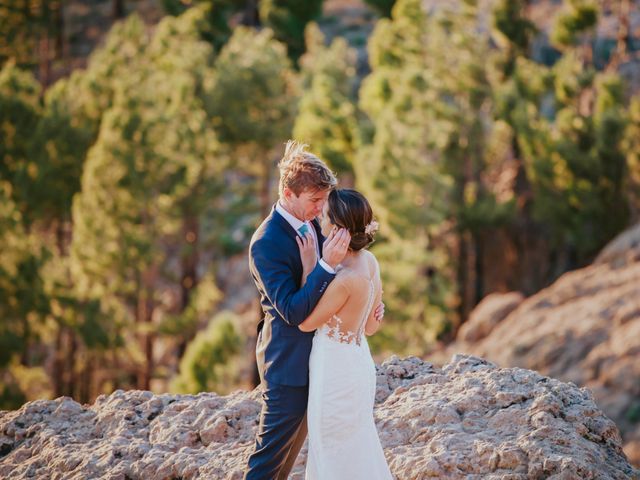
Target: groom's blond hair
301, 170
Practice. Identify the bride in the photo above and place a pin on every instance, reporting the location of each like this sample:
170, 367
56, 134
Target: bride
343, 440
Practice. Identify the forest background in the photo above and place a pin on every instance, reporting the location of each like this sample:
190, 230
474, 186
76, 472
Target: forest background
498, 141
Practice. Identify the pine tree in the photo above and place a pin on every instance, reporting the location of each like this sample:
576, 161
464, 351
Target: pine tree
252, 105
327, 115
155, 162
31, 34
20, 112
383, 7
400, 170
288, 19
632, 148
215, 25
573, 146
58, 148
212, 362
23, 303
577, 161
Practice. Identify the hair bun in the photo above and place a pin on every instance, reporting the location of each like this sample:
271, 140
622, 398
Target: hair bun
360, 240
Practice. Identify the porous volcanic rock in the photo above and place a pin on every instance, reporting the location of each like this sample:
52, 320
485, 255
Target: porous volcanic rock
585, 329
469, 419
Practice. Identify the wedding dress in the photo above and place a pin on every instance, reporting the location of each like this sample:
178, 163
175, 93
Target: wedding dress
343, 440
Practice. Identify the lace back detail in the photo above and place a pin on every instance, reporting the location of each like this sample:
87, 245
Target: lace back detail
336, 332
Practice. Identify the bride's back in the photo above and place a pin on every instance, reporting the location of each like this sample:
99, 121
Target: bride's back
361, 279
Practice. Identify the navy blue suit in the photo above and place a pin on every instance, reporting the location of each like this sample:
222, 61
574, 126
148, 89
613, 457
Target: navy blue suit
282, 351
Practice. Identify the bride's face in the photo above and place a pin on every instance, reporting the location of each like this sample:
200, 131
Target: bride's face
325, 223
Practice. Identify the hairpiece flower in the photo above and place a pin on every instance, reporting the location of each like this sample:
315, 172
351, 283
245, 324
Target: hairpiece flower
372, 227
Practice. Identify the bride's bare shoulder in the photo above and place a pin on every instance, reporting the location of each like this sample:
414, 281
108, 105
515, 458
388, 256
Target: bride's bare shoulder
371, 258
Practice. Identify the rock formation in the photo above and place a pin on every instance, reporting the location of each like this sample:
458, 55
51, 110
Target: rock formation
469, 420
488, 313
585, 328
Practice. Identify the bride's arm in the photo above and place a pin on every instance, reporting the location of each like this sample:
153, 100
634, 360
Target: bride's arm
331, 302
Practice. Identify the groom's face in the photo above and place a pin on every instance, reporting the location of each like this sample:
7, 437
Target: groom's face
308, 205
325, 222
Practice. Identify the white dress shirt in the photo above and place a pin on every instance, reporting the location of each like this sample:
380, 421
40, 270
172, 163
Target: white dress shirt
296, 223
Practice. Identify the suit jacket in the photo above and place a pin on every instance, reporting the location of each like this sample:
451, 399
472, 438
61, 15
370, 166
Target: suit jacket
282, 350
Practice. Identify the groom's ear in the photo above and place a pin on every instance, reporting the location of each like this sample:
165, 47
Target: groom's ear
288, 193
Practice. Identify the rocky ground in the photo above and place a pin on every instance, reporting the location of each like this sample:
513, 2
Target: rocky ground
467, 420
585, 329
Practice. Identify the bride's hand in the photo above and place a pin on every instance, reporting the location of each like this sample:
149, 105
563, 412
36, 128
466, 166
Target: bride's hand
308, 255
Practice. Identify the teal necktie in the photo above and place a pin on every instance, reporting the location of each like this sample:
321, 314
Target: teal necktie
303, 229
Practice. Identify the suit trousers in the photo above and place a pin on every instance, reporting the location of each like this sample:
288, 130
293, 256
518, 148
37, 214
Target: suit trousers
281, 432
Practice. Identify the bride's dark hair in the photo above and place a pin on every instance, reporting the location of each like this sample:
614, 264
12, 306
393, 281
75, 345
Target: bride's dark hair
349, 209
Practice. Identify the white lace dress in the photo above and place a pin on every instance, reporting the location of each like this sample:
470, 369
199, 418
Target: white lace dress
343, 440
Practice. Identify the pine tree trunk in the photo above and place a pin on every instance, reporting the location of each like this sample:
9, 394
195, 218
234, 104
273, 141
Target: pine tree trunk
70, 364
84, 391
58, 364
115, 362
526, 237
26, 335
250, 16
117, 10
479, 270
463, 277
189, 271
144, 317
44, 62
148, 351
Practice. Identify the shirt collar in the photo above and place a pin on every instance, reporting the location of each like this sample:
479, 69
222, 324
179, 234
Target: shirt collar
291, 220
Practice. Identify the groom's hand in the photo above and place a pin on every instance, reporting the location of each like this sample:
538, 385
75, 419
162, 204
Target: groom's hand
335, 247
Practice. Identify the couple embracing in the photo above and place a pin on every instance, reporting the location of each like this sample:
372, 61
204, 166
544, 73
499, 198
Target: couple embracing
321, 294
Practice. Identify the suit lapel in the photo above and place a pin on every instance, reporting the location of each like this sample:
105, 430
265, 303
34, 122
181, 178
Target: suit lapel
290, 231
286, 236
282, 223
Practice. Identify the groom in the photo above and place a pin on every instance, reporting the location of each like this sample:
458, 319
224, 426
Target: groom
282, 350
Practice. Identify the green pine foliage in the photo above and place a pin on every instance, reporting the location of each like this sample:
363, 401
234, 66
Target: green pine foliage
250, 96
215, 25
568, 125
20, 112
401, 175
58, 148
13, 254
288, 19
631, 146
576, 161
383, 7
213, 359
327, 114
427, 97
578, 18
155, 166
24, 26
23, 303
251, 104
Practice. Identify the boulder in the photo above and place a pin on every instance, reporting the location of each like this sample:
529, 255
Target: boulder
469, 419
584, 328
488, 313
